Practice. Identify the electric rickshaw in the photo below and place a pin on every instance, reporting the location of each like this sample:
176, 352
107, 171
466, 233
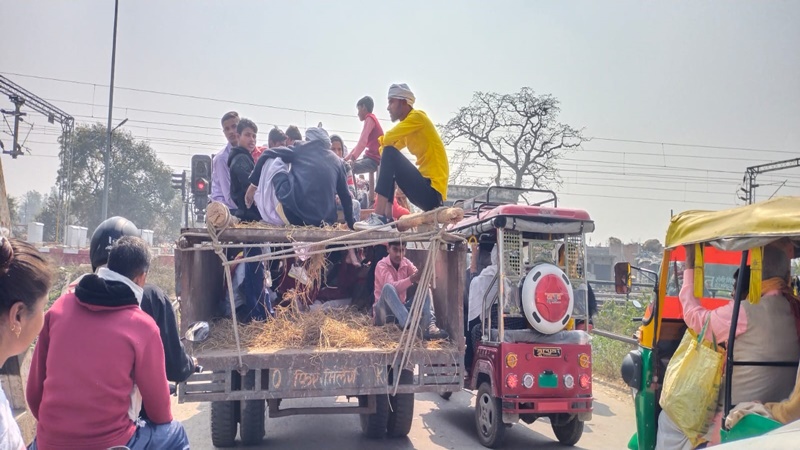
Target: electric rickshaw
528, 360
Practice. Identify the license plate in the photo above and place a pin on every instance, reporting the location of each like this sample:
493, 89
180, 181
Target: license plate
547, 352
548, 380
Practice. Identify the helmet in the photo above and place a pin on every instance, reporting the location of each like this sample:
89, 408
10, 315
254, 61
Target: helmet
105, 235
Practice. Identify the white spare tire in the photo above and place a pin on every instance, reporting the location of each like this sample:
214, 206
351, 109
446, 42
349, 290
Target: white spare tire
547, 298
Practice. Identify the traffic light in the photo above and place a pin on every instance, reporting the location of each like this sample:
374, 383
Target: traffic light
201, 175
179, 181
201, 184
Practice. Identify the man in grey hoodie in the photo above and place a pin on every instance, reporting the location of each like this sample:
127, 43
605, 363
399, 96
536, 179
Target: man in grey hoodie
308, 192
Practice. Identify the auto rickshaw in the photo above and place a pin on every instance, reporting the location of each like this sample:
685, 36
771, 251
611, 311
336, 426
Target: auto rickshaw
728, 240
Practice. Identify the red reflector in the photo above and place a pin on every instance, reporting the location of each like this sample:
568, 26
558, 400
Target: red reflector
512, 381
585, 381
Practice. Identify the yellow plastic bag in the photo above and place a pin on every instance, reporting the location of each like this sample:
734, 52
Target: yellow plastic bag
691, 385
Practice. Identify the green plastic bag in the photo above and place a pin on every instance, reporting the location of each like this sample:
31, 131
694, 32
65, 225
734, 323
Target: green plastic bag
691, 385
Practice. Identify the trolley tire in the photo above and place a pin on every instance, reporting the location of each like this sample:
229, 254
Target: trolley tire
374, 425
223, 423
401, 412
253, 414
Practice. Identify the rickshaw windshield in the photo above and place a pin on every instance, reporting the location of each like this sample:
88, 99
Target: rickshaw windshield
719, 269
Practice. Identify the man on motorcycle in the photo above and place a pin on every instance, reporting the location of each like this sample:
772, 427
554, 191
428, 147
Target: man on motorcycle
179, 365
99, 357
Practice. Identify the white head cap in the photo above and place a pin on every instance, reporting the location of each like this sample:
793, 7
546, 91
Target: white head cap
402, 91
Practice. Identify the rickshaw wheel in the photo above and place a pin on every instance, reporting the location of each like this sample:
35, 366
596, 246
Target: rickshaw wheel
489, 417
570, 432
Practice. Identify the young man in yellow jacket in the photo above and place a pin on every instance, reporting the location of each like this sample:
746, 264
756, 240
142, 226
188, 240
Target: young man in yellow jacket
424, 185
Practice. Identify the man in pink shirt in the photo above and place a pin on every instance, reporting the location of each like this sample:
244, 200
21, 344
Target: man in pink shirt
98, 359
394, 275
369, 140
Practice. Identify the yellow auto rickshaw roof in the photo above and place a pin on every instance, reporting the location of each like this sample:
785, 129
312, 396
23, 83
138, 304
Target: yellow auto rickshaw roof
738, 228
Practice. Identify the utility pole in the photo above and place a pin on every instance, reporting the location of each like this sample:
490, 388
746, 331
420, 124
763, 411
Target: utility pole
110, 113
20, 96
752, 172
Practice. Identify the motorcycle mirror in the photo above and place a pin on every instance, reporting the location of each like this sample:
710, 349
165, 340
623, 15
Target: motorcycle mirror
198, 332
636, 303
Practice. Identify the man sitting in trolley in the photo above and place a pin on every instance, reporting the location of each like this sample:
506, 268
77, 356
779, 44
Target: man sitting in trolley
395, 275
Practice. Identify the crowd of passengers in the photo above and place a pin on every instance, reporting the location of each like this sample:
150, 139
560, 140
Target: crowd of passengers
306, 180
109, 346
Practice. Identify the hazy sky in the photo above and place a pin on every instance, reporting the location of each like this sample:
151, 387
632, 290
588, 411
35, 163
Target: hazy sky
715, 74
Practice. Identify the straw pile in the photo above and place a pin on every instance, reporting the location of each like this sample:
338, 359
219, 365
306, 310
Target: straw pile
321, 329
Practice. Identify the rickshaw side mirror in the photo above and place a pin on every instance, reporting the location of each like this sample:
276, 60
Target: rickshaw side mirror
622, 278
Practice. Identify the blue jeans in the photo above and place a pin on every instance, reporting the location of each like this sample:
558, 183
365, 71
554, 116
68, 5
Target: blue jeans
389, 303
149, 436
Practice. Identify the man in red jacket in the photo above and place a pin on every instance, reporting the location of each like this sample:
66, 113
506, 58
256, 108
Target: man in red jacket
99, 357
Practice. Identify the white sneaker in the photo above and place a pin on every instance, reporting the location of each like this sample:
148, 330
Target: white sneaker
299, 274
375, 221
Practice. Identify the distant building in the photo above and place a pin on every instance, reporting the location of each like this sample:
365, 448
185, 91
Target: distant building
600, 263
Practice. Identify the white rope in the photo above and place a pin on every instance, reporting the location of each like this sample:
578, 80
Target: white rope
221, 253
411, 330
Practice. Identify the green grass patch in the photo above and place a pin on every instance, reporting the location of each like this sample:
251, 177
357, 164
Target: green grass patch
614, 317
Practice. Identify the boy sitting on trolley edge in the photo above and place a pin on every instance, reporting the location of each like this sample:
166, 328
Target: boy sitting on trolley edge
394, 276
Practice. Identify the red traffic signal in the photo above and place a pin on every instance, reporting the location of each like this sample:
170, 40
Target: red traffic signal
201, 173
200, 184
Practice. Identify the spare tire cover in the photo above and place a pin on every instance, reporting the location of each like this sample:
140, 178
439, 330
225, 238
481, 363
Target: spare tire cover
547, 298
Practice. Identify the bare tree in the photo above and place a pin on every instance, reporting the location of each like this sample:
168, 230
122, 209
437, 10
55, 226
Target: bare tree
518, 134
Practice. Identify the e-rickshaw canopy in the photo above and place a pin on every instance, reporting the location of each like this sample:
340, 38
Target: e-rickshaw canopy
737, 229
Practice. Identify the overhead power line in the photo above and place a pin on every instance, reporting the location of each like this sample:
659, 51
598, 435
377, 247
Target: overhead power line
283, 108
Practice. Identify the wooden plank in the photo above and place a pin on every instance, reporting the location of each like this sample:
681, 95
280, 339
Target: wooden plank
209, 376
291, 234
314, 359
190, 388
201, 286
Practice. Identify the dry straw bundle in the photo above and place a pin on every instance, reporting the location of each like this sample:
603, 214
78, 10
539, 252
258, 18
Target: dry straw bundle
319, 329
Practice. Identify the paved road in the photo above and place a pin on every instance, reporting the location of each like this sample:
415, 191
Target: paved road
438, 424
